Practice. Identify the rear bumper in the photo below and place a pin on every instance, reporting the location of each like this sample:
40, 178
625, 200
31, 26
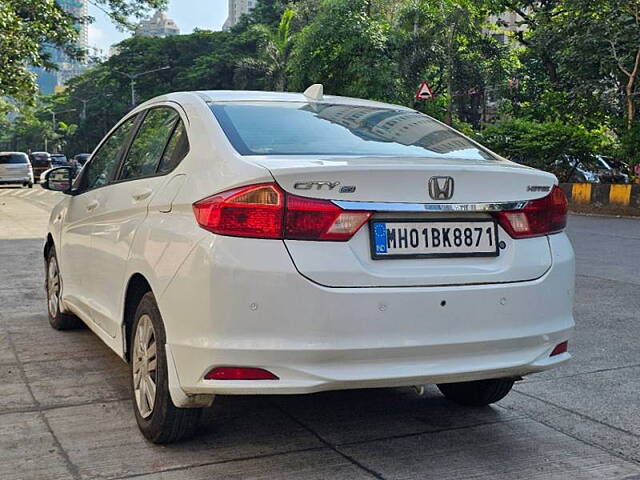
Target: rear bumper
16, 179
318, 338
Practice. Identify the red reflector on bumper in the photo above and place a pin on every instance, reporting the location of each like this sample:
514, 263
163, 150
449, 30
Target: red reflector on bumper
560, 348
240, 373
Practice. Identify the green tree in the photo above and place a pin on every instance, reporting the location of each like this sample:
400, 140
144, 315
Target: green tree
544, 144
274, 49
29, 27
601, 49
449, 43
345, 47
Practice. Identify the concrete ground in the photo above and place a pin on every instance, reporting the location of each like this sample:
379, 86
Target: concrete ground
65, 410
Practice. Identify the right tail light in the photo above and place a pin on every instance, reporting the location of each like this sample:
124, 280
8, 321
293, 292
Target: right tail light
539, 217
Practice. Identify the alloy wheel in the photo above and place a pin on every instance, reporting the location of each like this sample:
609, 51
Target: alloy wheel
145, 373
53, 287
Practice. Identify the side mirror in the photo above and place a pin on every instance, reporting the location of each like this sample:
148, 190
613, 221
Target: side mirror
59, 179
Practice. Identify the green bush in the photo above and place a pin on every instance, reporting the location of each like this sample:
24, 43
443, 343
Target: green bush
544, 144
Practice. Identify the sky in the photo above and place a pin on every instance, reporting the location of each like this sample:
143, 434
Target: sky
188, 14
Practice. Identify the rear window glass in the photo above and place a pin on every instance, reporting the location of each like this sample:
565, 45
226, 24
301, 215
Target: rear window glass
12, 158
270, 128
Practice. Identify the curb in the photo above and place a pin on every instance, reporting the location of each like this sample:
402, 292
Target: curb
595, 194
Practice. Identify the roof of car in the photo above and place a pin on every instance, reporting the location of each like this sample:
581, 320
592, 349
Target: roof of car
258, 96
12, 153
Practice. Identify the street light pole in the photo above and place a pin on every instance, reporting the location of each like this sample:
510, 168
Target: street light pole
132, 80
53, 116
85, 101
83, 114
53, 121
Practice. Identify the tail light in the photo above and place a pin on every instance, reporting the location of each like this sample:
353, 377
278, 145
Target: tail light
539, 217
266, 211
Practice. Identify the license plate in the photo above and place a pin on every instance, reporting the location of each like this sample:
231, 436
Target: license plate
434, 238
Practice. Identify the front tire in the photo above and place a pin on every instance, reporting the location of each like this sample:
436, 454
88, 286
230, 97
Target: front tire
479, 393
159, 420
53, 286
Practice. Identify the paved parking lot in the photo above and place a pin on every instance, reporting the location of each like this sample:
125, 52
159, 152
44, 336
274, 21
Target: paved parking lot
65, 409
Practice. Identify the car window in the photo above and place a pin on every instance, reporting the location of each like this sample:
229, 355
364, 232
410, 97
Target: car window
149, 144
289, 128
176, 150
99, 171
13, 158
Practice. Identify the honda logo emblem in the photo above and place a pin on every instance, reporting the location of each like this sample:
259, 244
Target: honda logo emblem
441, 188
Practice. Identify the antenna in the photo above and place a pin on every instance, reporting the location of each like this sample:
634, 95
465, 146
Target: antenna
314, 92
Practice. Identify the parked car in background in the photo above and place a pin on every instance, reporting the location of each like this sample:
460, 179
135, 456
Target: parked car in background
15, 168
78, 161
597, 169
612, 171
59, 160
82, 158
277, 243
572, 170
41, 162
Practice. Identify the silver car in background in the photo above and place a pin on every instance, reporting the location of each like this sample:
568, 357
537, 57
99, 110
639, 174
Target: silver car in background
15, 168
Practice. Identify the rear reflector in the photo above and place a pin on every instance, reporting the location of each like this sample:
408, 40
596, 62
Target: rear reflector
240, 373
560, 348
266, 211
539, 217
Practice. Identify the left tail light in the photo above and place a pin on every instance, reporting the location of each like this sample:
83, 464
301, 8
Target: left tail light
539, 217
266, 211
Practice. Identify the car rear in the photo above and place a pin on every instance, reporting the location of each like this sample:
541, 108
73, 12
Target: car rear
40, 162
379, 248
15, 169
59, 160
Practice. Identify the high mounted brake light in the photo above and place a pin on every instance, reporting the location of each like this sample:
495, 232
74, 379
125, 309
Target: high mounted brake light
539, 217
266, 211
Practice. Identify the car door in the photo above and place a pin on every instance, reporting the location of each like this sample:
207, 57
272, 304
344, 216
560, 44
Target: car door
75, 242
123, 209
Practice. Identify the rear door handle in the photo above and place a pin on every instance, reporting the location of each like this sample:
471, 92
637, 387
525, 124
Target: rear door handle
142, 194
92, 205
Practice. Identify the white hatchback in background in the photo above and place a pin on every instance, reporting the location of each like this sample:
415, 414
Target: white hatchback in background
255, 243
15, 169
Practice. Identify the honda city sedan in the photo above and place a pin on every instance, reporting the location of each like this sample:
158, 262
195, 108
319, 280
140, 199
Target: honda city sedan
245, 243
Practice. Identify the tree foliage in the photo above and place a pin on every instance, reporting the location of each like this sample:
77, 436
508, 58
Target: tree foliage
30, 28
565, 83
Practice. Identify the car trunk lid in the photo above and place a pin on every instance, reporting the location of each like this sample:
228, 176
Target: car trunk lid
397, 189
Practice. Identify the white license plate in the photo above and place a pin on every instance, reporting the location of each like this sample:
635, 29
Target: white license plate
436, 238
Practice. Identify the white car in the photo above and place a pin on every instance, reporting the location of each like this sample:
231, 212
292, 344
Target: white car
15, 168
281, 243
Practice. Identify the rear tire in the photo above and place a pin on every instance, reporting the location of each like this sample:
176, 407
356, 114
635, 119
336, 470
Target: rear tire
159, 420
30, 185
479, 393
53, 286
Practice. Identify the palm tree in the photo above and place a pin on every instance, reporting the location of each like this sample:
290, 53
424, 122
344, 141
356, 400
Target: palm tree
275, 47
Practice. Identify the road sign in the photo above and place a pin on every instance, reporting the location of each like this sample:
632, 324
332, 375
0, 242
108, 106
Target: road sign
425, 92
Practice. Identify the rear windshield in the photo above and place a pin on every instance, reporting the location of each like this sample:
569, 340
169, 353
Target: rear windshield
271, 128
12, 158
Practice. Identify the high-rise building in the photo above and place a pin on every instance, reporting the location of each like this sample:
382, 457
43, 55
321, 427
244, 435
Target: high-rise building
159, 25
505, 25
237, 8
50, 81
